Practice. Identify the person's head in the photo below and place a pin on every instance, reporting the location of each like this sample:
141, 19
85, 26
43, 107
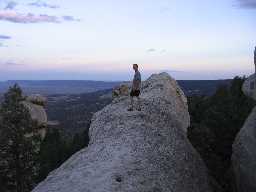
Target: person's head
135, 67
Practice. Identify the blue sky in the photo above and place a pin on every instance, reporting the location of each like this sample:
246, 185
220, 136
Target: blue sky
100, 39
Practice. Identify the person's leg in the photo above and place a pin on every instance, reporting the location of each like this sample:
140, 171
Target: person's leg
138, 103
131, 104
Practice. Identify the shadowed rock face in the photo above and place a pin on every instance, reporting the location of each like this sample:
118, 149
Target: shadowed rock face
244, 156
145, 151
244, 147
249, 86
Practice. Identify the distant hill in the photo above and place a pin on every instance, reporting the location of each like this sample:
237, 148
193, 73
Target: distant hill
74, 112
190, 87
72, 103
201, 87
50, 87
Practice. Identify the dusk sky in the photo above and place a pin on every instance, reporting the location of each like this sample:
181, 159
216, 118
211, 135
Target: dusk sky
101, 39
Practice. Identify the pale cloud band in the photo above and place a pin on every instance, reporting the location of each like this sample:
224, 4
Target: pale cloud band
5, 37
2, 45
43, 4
247, 4
69, 18
10, 14
10, 63
153, 50
11, 5
15, 17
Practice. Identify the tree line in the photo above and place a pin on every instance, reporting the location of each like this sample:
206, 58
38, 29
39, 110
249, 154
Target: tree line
215, 122
26, 159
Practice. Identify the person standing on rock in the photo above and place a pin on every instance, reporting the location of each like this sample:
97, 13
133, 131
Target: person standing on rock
135, 92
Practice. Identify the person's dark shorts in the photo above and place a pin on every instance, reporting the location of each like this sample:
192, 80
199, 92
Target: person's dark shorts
135, 93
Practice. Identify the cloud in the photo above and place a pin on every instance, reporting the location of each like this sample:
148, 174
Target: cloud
164, 9
10, 63
173, 71
2, 45
69, 18
151, 50
13, 16
43, 4
5, 37
11, 5
249, 4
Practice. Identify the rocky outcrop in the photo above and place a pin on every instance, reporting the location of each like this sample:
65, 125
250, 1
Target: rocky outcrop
139, 151
35, 105
249, 86
244, 153
37, 112
37, 99
122, 90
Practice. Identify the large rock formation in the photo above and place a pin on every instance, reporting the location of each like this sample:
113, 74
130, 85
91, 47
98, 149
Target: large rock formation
139, 151
35, 105
249, 86
244, 153
37, 112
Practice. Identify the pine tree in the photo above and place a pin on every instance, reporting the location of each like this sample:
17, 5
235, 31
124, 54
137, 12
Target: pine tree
53, 152
55, 149
215, 122
18, 144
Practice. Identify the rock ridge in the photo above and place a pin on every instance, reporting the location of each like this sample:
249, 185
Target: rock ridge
138, 151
